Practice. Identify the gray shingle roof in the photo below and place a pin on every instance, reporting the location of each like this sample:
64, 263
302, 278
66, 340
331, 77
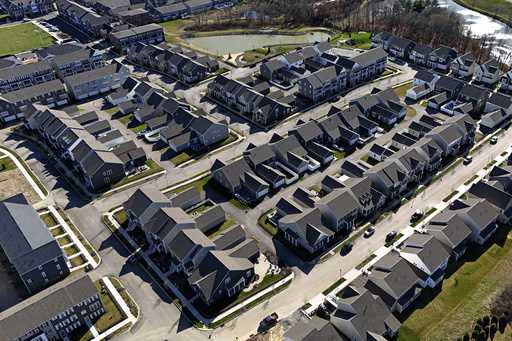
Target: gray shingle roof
24, 237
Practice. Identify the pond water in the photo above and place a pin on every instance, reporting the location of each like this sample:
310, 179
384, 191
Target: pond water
225, 44
480, 24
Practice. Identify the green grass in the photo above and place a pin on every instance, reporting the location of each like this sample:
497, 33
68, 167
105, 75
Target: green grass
339, 155
139, 128
48, 219
499, 9
451, 195
174, 28
126, 119
113, 110
77, 261
64, 240
199, 184
224, 226
359, 40
401, 90
258, 54
465, 294
333, 286
57, 231
126, 297
267, 226
22, 37
467, 182
153, 168
180, 158
112, 314
6, 164
71, 250
120, 217
411, 112
366, 261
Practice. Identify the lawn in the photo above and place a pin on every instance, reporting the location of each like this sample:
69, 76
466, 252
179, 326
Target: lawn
333, 286
199, 184
180, 158
22, 37
153, 168
126, 119
465, 294
6, 164
359, 40
225, 225
173, 29
139, 128
112, 314
113, 110
267, 226
48, 219
258, 54
402, 89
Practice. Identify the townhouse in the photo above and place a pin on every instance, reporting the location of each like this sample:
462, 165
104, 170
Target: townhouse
70, 59
148, 34
99, 166
29, 247
262, 159
475, 95
97, 81
53, 314
215, 269
420, 54
25, 75
441, 58
18, 10
14, 104
244, 99
323, 83
383, 106
498, 111
400, 47
85, 19
423, 84
135, 17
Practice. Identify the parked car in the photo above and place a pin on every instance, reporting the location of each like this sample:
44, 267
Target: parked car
467, 159
345, 249
493, 140
268, 322
417, 215
391, 235
369, 232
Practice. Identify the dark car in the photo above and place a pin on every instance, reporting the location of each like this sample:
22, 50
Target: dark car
369, 232
391, 235
345, 249
417, 216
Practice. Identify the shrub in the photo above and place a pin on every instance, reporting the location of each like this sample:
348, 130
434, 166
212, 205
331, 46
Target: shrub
492, 330
487, 321
465, 337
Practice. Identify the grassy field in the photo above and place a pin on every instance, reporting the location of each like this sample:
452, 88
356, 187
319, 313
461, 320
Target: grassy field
465, 294
257, 55
22, 37
174, 29
499, 9
402, 89
358, 40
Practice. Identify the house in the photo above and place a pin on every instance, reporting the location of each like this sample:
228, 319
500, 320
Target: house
379, 153
290, 154
389, 177
496, 195
479, 214
464, 66
210, 219
382, 40
400, 47
206, 133
271, 69
382, 106
488, 73
361, 315
101, 169
18, 10
441, 58
96, 81
84, 18
306, 230
143, 204
394, 280
475, 95
420, 54
53, 314
25, 75
198, 6
506, 81
29, 247
14, 104
238, 178
427, 254
437, 101
499, 101
493, 120
451, 230
367, 65
418, 92
340, 208
124, 93
336, 132
451, 86
424, 77
149, 34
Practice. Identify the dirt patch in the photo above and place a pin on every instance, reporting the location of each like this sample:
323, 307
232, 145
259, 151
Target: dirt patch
13, 182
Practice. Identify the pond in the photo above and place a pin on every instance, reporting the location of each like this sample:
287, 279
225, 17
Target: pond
480, 24
237, 43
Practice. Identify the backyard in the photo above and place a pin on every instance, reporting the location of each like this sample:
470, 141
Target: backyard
22, 37
466, 292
